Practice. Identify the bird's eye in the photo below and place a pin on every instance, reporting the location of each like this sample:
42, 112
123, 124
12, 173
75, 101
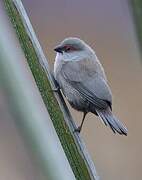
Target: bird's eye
67, 48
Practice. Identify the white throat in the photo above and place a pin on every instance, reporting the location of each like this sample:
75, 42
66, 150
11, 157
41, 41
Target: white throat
58, 64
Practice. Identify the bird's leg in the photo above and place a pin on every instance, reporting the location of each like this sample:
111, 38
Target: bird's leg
56, 89
80, 127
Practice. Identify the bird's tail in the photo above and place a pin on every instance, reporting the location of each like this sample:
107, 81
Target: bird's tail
110, 120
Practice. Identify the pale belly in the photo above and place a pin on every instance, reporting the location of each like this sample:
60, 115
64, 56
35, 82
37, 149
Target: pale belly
73, 96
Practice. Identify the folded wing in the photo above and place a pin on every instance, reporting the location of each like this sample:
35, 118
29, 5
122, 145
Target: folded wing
89, 83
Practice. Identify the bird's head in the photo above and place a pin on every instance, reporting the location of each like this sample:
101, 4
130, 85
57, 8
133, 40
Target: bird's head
73, 49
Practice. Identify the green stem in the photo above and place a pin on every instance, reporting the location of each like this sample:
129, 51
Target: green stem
75, 159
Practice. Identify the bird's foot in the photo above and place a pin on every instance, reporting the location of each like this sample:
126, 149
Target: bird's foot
78, 130
57, 89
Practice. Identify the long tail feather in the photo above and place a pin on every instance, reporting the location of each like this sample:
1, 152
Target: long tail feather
110, 120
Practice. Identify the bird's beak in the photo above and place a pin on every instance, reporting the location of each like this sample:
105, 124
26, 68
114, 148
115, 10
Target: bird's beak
58, 49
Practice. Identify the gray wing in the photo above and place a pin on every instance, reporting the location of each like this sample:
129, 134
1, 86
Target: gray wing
89, 83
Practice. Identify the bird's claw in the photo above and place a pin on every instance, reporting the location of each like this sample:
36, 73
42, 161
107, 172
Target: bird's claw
57, 89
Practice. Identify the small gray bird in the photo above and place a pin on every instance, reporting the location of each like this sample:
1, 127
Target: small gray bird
82, 80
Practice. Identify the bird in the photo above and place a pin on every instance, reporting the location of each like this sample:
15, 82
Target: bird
81, 78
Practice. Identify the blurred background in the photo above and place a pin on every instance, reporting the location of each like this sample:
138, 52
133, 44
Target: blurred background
108, 27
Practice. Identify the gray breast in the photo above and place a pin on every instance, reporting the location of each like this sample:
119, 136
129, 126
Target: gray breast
72, 95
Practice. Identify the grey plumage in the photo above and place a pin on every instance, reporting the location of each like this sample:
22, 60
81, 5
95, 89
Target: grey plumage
83, 82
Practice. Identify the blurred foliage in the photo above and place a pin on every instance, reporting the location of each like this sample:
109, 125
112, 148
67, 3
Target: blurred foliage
78, 165
137, 11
